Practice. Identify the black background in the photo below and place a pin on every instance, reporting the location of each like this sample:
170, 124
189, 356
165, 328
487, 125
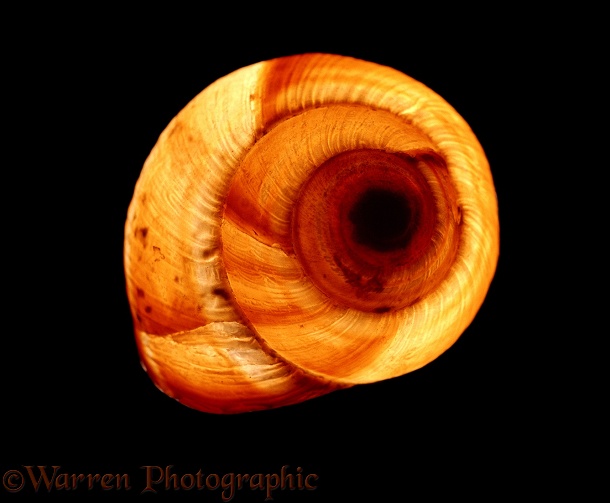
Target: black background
90, 102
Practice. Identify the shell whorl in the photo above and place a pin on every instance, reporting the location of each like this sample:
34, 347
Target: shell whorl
306, 224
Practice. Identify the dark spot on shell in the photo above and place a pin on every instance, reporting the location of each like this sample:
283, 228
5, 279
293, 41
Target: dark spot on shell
158, 254
140, 292
176, 279
221, 292
140, 234
148, 309
383, 309
138, 317
208, 253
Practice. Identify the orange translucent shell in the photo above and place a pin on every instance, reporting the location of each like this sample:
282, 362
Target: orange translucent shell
306, 224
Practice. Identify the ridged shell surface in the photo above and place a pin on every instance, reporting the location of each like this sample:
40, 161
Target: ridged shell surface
303, 225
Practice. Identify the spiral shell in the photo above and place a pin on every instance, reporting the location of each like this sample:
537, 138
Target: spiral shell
306, 224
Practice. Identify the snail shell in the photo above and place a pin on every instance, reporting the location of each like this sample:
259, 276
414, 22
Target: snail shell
303, 225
